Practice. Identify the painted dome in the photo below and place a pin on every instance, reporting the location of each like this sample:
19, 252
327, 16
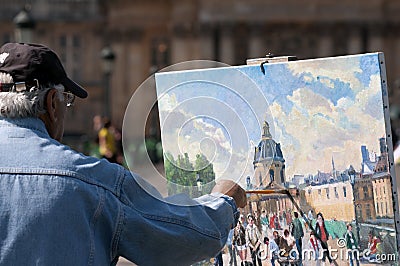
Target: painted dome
267, 148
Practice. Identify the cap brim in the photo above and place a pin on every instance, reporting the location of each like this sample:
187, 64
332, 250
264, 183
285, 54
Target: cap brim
75, 88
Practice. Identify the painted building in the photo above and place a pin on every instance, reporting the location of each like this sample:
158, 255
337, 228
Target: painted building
364, 198
269, 171
383, 198
333, 200
372, 190
269, 164
382, 185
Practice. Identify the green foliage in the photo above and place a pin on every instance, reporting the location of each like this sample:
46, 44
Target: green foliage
183, 176
204, 168
152, 146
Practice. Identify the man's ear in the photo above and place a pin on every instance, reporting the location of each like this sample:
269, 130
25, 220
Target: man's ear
51, 103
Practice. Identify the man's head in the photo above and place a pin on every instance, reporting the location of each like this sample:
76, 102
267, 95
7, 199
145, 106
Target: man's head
296, 215
33, 83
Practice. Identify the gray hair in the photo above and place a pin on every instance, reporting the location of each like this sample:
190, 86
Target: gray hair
30, 103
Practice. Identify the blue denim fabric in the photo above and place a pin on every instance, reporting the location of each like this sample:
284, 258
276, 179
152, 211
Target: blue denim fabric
60, 207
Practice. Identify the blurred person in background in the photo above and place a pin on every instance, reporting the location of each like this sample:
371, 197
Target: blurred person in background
107, 144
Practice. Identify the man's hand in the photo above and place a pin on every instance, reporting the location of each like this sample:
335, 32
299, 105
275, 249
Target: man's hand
231, 189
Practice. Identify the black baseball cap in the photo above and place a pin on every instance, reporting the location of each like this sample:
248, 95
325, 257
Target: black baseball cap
36, 63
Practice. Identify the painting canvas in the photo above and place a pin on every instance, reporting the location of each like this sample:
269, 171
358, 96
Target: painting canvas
317, 128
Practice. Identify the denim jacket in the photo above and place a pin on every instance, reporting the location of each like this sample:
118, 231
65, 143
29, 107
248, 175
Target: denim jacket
60, 207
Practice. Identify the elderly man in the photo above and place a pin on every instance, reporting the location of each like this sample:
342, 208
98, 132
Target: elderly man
59, 207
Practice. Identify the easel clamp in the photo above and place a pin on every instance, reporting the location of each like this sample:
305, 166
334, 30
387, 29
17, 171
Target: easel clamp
269, 58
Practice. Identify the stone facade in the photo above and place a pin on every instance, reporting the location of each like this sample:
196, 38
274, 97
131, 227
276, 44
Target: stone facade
383, 196
364, 199
333, 200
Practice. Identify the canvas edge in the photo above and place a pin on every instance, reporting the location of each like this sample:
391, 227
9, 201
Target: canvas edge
389, 143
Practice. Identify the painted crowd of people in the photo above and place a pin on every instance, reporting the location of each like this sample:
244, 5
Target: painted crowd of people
278, 238
266, 237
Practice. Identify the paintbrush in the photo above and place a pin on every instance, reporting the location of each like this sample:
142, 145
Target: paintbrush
268, 191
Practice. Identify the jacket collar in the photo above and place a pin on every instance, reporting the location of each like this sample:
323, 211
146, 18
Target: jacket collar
29, 123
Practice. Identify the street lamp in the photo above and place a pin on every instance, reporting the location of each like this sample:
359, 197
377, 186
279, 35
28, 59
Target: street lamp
24, 25
352, 175
108, 57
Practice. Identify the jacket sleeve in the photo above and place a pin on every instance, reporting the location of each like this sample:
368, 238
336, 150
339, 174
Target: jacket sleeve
171, 231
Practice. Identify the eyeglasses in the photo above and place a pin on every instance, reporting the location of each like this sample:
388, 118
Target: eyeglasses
69, 98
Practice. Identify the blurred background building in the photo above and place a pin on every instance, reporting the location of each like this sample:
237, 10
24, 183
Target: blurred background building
111, 47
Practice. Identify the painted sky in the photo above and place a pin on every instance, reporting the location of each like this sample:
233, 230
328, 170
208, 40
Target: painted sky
317, 110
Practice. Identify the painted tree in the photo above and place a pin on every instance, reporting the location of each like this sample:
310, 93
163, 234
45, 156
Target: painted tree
183, 176
205, 171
